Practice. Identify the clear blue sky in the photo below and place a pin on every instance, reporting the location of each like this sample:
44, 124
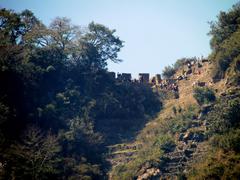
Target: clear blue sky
156, 32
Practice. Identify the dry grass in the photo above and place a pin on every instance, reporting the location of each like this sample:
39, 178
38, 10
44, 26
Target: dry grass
184, 101
153, 128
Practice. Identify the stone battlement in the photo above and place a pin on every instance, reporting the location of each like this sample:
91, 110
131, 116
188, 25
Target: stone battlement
142, 78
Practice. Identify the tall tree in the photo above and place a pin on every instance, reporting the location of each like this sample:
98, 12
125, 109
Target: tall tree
34, 157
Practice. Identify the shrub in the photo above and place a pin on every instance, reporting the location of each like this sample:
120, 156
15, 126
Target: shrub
166, 143
182, 121
181, 62
224, 116
34, 157
147, 157
226, 53
216, 165
168, 71
229, 141
174, 109
204, 95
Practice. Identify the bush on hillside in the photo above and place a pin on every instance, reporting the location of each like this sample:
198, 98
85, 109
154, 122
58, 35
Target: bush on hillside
204, 95
224, 116
233, 73
166, 143
229, 141
216, 165
181, 62
168, 72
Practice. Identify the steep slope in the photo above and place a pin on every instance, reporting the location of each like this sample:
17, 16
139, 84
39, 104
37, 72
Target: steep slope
190, 144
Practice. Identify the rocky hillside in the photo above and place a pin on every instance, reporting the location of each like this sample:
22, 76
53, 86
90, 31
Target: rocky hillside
64, 116
197, 133
184, 123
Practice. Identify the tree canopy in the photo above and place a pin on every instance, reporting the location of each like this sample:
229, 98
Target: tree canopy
225, 44
57, 97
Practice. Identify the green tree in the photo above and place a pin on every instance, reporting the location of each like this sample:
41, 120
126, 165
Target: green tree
225, 44
10, 27
168, 71
35, 157
224, 116
56, 77
63, 34
102, 42
227, 23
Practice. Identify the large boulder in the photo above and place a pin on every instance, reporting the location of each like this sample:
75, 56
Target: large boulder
149, 173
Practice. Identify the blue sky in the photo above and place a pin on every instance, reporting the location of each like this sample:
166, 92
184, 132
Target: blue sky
156, 32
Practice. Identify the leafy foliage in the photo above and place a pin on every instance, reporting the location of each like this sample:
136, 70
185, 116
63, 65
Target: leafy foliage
156, 142
204, 95
56, 78
228, 142
225, 43
223, 130
168, 72
218, 165
227, 23
224, 116
166, 143
148, 156
35, 157
183, 61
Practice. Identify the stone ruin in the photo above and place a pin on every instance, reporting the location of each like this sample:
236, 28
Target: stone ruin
156, 80
124, 77
144, 78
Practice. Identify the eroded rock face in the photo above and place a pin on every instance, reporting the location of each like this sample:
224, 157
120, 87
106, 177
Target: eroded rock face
149, 173
193, 136
188, 136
